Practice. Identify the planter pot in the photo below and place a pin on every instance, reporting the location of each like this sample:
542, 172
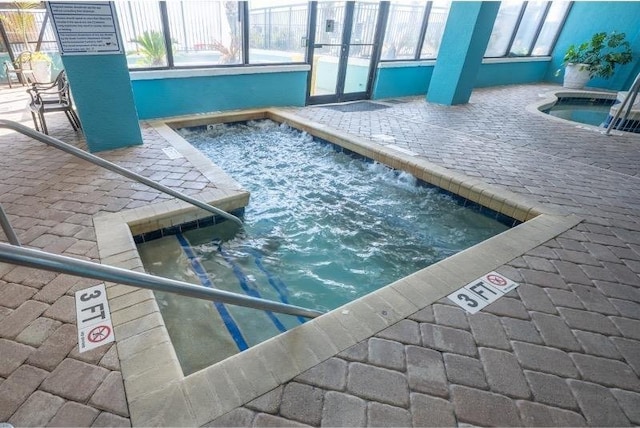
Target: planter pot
41, 71
576, 76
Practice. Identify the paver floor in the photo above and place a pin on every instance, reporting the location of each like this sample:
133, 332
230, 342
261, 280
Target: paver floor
561, 350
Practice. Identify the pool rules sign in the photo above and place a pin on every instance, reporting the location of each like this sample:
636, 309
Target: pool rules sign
94, 318
482, 292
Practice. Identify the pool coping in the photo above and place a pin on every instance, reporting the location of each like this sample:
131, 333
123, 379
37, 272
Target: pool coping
157, 391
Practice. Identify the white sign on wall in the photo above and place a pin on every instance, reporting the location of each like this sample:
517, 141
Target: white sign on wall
482, 292
87, 28
94, 318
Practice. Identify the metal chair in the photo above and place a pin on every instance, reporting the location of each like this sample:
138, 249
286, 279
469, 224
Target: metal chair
21, 68
52, 98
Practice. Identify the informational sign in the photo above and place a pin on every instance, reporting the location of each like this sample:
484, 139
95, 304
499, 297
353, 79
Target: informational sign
85, 28
482, 292
94, 318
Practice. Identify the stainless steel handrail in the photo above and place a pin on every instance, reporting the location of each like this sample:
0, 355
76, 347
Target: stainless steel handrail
14, 253
53, 262
627, 103
68, 148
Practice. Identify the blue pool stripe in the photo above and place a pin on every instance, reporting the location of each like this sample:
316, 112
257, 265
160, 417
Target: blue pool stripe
274, 281
251, 291
228, 320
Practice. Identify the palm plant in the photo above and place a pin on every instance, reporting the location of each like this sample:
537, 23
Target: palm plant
151, 46
22, 21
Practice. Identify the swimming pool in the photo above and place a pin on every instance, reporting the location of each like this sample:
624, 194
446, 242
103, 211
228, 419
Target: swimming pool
322, 229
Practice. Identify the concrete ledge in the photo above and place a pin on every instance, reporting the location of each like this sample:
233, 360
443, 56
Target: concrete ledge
216, 71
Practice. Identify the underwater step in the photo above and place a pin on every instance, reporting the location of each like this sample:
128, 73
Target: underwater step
197, 329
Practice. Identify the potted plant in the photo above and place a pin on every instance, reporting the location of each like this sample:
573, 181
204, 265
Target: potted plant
597, 57
41, 66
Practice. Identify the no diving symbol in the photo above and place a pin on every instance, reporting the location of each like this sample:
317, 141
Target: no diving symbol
496, 280
99, 333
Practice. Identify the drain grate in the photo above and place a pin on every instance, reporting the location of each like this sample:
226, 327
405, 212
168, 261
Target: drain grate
356, 107
397, 101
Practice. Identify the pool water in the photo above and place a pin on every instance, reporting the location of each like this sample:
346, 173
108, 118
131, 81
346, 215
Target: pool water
590, 111
322, 228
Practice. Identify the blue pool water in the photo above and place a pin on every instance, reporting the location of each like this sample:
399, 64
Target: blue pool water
590, 111
322, 228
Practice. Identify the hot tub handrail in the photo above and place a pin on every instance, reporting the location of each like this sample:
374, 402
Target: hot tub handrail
627, 103
57, 263
68, 148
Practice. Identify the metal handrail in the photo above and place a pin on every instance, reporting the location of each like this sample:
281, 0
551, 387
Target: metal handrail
68, 148
627, 103
14, 253
53, 262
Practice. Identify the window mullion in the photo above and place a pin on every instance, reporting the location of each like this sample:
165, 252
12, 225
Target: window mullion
523, 8
243, 16
423, 30
166, 32
564, 20
543, 19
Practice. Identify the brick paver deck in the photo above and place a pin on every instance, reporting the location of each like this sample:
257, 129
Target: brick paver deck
561, 350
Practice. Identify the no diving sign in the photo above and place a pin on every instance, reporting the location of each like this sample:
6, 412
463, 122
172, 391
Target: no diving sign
94, 319
481, 292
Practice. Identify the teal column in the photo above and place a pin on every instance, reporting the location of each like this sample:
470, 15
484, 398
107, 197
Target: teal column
464, 42
104, 99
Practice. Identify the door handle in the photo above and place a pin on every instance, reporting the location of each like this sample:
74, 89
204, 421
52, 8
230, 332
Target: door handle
318, 45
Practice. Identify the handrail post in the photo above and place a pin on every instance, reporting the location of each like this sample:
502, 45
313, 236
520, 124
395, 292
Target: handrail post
68, 148
8, 230
628, 99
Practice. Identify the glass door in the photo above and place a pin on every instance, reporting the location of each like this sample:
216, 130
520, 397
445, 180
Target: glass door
342, 45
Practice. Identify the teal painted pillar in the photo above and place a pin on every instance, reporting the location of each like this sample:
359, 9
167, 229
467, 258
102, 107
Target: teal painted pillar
464, 42
104, 99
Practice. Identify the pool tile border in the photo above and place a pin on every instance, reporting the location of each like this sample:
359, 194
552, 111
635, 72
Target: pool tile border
157, 391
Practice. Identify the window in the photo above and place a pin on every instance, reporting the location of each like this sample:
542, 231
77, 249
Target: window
525, 28
190, 33
276, 33
23, 25
435, 29
403, 31
414, 30
503, 28
528, 27
551, 28
205, 32
142, 34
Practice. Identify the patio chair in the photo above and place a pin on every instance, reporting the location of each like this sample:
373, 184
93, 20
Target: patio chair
21, 68
52, 98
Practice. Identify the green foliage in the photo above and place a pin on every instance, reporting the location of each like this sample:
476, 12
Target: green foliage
151, 46
40, 56
601, 54
21, 20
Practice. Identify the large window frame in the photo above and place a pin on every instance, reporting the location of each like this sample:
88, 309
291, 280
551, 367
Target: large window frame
243, 15
417, 51
417, 54
536, 34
